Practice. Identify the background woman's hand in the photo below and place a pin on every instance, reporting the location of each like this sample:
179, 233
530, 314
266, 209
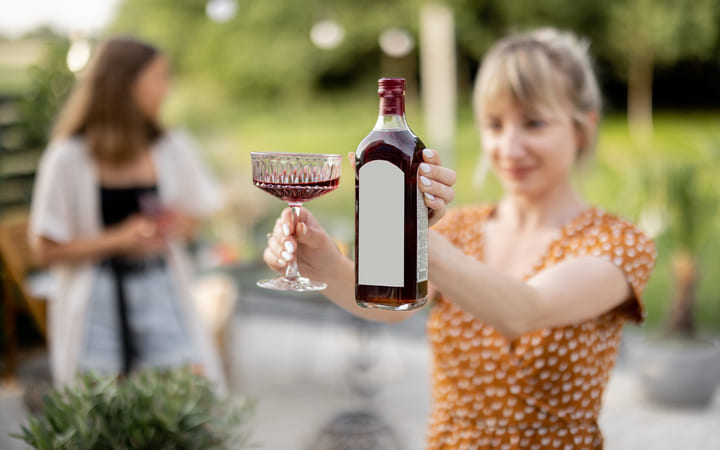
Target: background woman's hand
139, 236
306, 241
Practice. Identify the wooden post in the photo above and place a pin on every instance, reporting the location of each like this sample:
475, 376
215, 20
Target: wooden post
438, 73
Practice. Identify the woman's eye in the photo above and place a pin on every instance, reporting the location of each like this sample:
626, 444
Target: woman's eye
535, 123
495, 125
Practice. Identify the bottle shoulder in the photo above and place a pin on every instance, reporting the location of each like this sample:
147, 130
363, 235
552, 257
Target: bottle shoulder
402, 139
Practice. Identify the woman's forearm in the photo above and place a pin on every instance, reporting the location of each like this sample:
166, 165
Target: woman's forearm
48, 252
341, 290
506, 303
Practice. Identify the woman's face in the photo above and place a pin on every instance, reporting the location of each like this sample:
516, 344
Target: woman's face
151, 86
530, 152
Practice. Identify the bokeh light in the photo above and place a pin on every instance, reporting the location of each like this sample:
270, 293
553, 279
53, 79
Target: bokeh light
396, 42
79, 54
221, 10
327, 34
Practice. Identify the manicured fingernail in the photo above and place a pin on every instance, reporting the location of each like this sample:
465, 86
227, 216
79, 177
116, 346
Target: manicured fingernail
428, 153
281, 261
426, 181
303, 229
425, 167
429, 196
286, 229
289, 247
286, 256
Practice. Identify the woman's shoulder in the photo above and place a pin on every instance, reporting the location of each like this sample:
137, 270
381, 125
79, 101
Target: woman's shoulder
597, 220
605, 232
464, 217
68, 150
176, 138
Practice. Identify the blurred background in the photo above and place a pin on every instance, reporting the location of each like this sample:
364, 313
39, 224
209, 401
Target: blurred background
280, 75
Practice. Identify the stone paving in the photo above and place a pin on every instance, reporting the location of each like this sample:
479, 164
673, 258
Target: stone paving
307, 361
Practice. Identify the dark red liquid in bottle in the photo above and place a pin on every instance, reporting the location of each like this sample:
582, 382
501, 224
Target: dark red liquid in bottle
398, 146
300, 192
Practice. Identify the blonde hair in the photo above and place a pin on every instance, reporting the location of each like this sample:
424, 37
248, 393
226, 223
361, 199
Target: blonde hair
542, 70
101, 107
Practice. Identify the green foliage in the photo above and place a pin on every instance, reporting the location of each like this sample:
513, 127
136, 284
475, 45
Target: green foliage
665, 30
49, 85
265, 50
151, 409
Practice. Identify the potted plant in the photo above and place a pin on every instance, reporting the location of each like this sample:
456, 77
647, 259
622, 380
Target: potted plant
679, 367
151, 409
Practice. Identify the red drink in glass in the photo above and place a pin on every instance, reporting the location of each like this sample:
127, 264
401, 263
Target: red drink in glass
295, 178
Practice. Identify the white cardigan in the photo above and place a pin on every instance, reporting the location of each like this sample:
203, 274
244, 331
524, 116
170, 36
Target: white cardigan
66, 206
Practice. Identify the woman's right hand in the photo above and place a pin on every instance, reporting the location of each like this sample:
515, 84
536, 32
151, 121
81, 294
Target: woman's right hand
306, 241
139, 236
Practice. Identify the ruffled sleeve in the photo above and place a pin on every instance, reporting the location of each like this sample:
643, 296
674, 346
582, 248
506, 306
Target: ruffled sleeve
628, 248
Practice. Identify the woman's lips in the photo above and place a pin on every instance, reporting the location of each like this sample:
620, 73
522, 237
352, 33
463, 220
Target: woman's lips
518, 172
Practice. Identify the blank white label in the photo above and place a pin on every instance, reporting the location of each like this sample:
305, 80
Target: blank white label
381, 224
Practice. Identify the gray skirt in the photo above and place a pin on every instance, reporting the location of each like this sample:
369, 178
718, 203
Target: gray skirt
157, 326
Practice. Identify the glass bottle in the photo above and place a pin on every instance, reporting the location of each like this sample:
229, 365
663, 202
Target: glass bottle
391, 220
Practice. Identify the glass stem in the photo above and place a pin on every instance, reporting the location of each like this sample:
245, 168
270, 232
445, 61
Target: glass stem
291, 271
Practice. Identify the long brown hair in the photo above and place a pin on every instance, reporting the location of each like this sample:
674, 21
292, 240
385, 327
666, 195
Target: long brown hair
101, 108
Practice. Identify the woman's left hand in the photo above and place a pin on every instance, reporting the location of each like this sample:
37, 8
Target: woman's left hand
435, 182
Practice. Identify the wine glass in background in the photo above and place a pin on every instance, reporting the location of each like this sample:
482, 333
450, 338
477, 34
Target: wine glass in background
295, 178
153, 208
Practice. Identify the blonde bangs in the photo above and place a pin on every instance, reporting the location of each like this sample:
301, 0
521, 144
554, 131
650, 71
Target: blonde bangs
522, 77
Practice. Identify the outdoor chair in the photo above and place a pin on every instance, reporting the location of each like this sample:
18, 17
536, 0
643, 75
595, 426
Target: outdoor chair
16, 265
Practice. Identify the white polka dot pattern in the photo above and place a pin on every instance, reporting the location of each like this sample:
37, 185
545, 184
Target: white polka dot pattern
543, 390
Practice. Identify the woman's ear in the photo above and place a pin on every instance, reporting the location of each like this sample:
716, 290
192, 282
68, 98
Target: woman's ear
586, 132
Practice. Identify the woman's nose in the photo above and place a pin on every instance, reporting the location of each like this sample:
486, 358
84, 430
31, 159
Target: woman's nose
512, 143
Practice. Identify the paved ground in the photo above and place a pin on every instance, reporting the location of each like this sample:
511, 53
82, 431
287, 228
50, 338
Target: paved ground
306, 362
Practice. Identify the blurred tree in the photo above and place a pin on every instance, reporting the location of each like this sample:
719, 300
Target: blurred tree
50, 83
265, 50
642, 33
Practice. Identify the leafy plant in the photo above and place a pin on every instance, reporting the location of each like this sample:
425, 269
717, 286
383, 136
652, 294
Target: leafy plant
683, 193
151, 409
50, 83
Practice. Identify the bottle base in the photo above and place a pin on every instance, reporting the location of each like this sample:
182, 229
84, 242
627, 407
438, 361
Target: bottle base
393, 305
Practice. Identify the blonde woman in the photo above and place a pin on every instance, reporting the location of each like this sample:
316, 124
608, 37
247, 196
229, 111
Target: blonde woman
533, 291
115, 197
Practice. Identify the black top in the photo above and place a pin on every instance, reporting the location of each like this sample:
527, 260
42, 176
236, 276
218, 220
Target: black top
119, 203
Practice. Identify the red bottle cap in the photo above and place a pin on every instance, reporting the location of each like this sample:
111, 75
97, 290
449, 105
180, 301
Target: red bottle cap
391, 87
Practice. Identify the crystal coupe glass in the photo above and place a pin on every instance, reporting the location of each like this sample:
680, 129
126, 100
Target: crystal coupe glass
295, 178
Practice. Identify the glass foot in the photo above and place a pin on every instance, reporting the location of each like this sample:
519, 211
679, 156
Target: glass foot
299, 284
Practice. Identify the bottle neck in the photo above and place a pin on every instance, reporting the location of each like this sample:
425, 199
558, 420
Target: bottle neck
392, 113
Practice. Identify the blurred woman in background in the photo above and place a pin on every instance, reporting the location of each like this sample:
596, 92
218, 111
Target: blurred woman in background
115, 198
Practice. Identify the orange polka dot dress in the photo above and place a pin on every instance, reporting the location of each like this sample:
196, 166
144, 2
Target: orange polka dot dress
544, 389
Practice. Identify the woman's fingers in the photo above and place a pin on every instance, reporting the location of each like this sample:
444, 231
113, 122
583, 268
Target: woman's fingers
431, 156
439, 174
432, 168
435, 181
280, 249
434, 190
